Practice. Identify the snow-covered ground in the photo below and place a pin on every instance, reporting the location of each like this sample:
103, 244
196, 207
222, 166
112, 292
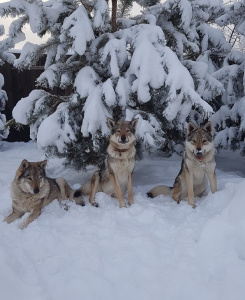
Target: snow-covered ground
154, 250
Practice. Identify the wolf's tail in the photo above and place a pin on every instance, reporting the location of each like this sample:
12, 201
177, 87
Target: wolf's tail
159, 190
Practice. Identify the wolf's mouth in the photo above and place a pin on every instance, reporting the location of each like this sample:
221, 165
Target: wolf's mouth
123, 142
199, 154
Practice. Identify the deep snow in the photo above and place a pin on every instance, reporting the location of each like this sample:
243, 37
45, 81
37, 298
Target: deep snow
154, 250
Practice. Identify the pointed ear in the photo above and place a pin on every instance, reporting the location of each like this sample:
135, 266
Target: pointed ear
43, 164
111, 123
191, 127
23, 166
208, 127
134, 122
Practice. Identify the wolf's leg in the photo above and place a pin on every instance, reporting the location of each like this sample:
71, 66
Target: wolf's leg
117, 190
94, 187
190, 190
213, 182
176, 195
65, 189
34, 214
130, 190
68, 193
13, 216
176, 191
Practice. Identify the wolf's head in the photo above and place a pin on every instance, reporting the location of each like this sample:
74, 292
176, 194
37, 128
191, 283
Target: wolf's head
199, 139
122, 132
31, 175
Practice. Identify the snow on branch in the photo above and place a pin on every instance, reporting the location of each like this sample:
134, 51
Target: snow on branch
58, 127
115, 51
146, 62
101, 16
86, 81
12, 8
95, 114
72, 26
29, 56
215, 37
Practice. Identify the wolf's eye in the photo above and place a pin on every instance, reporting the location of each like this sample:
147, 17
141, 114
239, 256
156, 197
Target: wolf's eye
128, 130
118, 130
204, 141
29, 178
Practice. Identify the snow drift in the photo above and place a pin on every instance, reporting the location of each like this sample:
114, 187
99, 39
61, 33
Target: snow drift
155, 249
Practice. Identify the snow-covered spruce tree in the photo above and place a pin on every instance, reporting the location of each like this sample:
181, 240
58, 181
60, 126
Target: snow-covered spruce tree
132, 72
229, 120
200, 48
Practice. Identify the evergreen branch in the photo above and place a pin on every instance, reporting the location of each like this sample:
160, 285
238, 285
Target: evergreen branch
13, 123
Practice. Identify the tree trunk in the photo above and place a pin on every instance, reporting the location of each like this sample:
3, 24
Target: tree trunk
114, 16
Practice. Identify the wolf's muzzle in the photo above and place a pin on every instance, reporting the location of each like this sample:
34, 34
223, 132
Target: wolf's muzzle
36, 190
123, 139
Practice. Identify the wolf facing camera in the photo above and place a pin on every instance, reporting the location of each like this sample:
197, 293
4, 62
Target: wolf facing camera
115, 177
31, 190
198, 163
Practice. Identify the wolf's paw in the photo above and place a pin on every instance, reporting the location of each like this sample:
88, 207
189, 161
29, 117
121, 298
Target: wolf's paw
66, 207
95, 204
22, 225
177, 200
130, 202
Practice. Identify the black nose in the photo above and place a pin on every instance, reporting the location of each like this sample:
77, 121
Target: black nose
123, 138
36, 190
199, 150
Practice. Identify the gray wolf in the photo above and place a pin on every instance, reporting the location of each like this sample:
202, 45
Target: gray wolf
115, 176
31, 190
198, 163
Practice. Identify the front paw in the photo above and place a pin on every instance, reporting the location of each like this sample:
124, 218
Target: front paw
130, 202
95, 204
192, 204
22, 225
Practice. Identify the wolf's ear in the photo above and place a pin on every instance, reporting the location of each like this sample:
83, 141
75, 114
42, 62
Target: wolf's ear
208, 127
43, 164
111, 123
23, 166
134, 122
191, 127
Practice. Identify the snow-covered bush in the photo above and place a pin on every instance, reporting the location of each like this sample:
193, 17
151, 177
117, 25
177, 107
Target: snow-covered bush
3, 98
4, 57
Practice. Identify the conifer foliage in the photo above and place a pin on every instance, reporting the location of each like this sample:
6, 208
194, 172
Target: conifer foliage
161, 67
4, 57
230, 118
3, 98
